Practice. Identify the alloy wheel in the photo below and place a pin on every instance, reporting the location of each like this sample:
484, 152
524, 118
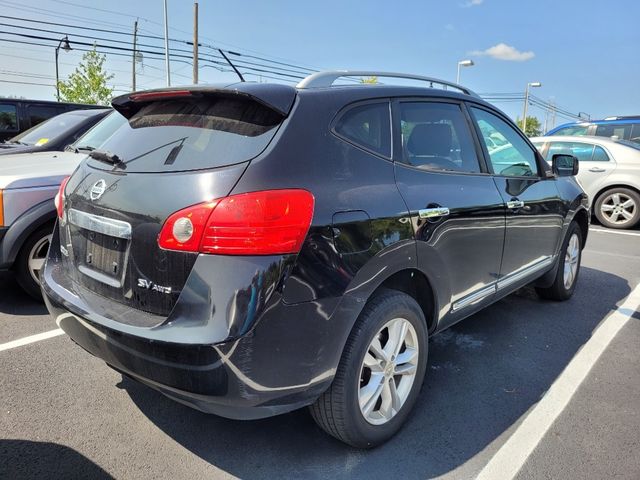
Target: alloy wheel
571, 259
388, 371
618, 208
37, 256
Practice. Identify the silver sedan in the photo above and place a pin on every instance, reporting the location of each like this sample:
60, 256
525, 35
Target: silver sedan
609, 173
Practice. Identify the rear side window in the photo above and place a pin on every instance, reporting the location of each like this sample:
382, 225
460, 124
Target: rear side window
192, 134
367, 126
8, 118
623, 132
579, 130
436, 136
599, 155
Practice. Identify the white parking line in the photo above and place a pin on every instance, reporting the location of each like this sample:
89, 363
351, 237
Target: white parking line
513, 454
31, 339
617, 232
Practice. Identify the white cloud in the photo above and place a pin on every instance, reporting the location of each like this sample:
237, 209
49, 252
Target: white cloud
473, 3
502, 51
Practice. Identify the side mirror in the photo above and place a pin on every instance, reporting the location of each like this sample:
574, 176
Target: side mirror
564, 165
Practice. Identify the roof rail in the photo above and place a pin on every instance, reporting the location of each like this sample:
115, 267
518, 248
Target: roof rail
327, 78
624, 117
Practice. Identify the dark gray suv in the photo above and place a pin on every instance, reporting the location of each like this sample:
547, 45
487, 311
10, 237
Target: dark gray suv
251, 249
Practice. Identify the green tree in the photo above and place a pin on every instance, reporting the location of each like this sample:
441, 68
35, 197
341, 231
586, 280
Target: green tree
372, 80
534, 128
88, 83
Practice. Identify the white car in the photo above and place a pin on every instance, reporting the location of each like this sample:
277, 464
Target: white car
609, 173
28, 184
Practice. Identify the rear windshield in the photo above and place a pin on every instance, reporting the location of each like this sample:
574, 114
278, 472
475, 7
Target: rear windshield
50, 129
192, 134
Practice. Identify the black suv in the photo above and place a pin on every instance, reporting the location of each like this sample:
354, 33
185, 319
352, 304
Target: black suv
251, 249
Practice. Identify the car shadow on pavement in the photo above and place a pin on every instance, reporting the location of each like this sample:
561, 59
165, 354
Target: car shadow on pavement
14, 301
483, 375
27, 459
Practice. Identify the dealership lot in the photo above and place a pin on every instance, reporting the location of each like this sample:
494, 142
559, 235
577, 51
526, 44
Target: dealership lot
65, 414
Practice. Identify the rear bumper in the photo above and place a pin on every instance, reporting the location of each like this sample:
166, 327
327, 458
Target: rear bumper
200, 376
283, 362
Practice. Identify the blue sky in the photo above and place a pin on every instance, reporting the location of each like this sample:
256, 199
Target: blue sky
584, 52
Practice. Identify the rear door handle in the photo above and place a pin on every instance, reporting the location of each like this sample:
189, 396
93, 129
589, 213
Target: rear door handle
597, 170
513, 204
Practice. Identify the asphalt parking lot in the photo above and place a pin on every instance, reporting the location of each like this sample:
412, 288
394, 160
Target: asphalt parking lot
65, 414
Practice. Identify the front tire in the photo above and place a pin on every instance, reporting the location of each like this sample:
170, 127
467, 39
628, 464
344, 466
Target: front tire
568, 268
30, 260
380, 374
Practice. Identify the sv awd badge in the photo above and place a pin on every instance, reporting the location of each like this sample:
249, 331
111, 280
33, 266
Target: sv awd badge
149, 285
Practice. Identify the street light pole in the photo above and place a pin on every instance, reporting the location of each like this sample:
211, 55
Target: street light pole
64, 44
526, 104
463, 63
166, 44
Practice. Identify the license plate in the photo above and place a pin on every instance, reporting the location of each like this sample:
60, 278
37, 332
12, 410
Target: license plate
99, 255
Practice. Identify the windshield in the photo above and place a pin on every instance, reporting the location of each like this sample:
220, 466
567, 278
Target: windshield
192, 134
49, 129
100, 133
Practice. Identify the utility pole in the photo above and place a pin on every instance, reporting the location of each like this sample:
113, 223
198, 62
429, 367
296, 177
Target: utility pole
553, 115
166, 44
133, 62
526, 104
195, 43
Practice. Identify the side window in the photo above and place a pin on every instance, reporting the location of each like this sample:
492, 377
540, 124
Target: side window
635, 133
368, 126
582, 151
8, 118
599, 155
40, 113
623, 132
579, 130
436, 136
515, 158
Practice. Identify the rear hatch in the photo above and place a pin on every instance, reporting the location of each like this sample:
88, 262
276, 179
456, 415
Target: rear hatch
178, 148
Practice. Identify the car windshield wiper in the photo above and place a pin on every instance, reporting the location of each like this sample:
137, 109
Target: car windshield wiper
16, 142
107, 157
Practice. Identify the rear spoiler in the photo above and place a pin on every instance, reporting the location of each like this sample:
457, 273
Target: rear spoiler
277, 97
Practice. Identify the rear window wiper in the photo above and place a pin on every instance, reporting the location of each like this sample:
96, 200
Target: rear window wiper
107, 157
84, 148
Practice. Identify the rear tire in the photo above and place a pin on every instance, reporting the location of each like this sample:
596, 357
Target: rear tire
568, 267
30, 259
380, 373
618, 208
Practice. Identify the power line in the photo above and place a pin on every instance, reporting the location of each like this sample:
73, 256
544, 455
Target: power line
215, 57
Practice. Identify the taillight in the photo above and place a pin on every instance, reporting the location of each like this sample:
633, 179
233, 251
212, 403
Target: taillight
258, 223
60, 197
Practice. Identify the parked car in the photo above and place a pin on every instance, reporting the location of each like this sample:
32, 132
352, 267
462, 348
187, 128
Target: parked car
609, 173
251, 249
18, 115
622, 128
54, 134
28, 184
